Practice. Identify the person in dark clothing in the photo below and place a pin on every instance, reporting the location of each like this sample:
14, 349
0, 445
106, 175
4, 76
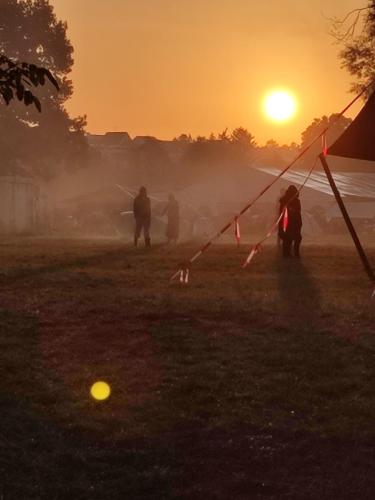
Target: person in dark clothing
142, 215
291, 234
173, 225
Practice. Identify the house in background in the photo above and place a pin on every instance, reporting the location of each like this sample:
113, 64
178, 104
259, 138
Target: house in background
112, 145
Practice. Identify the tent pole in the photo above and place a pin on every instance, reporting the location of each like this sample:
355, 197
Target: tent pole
348, 222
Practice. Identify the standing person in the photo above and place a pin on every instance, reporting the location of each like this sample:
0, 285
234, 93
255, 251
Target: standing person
291, 234
142, 215
172, 211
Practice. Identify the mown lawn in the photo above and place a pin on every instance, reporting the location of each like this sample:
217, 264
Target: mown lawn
244, 384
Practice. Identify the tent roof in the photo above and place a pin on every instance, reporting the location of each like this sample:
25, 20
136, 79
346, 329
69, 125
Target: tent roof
355, 184
358, 140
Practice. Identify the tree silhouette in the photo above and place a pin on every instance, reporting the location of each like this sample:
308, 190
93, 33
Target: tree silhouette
16, 79
224, 136
243, 138
185, 138
201, 138
43, 143
271, 143
356, 31
337, 127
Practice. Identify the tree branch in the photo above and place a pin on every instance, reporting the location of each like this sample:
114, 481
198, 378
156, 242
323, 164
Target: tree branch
338, 32
17, 78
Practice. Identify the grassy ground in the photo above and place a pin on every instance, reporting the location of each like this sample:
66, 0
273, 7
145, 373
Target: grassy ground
245, 384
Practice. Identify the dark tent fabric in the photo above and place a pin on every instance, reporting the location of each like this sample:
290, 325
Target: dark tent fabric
358, 140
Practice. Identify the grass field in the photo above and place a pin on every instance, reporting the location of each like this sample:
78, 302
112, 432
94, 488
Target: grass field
244, 384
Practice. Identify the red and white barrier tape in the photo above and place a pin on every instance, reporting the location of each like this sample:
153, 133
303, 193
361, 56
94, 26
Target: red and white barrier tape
182, 273
184, 276
285, 219
324, 144
237, 232
258, 245
252, 254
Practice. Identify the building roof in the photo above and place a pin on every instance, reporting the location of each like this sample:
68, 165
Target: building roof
109, 139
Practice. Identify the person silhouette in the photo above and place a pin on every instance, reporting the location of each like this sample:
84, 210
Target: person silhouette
173, 214
291, 223
142, 215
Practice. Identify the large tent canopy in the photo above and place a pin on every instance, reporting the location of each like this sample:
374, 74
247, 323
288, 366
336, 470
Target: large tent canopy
358, 140
358, 184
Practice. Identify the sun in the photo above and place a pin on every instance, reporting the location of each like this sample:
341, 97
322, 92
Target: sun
280, 105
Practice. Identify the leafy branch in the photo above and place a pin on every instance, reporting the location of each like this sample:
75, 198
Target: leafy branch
17, 78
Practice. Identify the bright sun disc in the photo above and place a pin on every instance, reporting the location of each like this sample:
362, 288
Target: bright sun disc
280, 105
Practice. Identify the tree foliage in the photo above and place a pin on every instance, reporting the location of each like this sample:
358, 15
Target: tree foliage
45, 143
271, 143
184, 138
223, 136
16, 79
243, 137
357, 34
337, 126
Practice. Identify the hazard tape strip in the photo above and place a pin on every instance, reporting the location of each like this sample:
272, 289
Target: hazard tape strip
237, 232
285, 219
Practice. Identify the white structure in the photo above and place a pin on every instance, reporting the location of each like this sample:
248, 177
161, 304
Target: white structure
23, 209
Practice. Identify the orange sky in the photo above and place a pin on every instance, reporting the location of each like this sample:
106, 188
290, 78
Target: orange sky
165, 67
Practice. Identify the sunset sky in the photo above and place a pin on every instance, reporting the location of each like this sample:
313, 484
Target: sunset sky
165, 67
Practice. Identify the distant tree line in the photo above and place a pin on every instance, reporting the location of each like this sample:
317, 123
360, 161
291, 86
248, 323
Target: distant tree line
240, 136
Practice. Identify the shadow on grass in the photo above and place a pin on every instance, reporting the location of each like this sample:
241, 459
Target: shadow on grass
267, 415
300, 298
209, 434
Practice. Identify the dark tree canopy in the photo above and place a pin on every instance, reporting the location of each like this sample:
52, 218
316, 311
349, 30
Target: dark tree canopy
357, 34
44, 143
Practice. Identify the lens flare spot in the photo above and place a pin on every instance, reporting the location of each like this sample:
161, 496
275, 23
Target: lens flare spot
100, 391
